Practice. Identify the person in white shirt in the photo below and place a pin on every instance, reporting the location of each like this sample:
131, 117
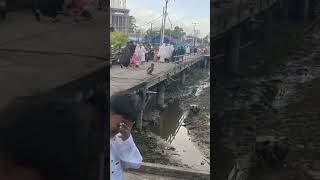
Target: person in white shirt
162, 53
124, 111
143, 53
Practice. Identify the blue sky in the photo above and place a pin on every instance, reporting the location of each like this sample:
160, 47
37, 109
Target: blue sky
180, 12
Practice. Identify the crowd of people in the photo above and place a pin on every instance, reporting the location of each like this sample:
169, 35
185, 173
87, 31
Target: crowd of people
135, 54
48, 10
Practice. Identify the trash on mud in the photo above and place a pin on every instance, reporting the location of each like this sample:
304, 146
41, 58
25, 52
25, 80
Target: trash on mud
194, 108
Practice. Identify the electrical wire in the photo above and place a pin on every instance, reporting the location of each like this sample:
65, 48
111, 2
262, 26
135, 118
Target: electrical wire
153, 20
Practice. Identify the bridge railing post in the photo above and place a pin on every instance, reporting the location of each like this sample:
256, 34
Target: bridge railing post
161, 95
142, 108
183, 77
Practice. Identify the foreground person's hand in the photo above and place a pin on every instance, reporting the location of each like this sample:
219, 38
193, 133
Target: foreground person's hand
125, 131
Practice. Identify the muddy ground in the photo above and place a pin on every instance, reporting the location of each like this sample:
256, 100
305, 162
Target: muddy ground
156, 150
274, 96
198, 123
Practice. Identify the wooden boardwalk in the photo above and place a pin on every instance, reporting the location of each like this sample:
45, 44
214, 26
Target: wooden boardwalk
122, 79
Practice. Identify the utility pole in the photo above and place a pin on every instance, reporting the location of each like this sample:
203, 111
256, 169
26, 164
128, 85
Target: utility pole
150, 33
194, 32
164, 22
161, 26
202, 42
171, 33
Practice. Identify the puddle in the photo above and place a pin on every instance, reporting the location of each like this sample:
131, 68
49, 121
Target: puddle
171, 130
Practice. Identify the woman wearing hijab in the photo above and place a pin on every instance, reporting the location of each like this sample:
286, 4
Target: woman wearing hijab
125, 56
143, 54
136, 57
155, 53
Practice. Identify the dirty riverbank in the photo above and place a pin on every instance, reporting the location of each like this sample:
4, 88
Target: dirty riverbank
175, 135
253, 106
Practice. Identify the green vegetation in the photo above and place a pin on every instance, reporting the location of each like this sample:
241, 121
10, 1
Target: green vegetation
117, 40
176, 33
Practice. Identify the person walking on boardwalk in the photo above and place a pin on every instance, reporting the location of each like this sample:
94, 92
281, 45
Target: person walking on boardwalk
187, 50
124, 154
155, 53
168, 52
132, 48
151, 53
142, 54
125, 56
135, 59
162, 53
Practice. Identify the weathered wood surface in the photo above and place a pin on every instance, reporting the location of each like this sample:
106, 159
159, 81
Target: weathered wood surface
122, 79
36, 57
229, 13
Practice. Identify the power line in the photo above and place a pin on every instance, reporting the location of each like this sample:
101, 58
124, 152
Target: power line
154, 20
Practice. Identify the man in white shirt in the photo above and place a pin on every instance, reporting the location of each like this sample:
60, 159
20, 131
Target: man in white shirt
124, 111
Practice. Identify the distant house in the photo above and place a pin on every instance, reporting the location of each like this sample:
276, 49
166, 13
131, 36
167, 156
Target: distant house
119, 16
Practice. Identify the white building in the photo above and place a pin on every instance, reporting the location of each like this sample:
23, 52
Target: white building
119, 16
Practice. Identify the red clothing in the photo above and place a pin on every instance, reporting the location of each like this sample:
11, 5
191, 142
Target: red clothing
134, 59
76, 7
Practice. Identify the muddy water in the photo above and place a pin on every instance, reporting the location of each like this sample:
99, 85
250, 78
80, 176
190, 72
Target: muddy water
172, 125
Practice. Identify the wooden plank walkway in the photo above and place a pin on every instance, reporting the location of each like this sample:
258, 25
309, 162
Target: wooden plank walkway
122, 79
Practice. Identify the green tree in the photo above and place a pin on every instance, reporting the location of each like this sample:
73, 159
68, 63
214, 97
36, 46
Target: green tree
117, 39
178, 32
151, 34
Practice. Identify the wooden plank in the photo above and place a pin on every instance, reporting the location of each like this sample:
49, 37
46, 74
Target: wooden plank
122, 79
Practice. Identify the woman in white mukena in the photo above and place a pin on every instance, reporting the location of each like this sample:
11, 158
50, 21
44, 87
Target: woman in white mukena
123, 151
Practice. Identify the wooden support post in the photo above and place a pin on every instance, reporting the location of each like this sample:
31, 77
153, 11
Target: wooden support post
232, 59
143, 105
205, 62
160, 95
183, 77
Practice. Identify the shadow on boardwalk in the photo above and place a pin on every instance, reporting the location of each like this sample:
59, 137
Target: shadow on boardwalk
39, 56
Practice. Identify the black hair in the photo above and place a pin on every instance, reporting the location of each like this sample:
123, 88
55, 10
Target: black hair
125, 104
48, 136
